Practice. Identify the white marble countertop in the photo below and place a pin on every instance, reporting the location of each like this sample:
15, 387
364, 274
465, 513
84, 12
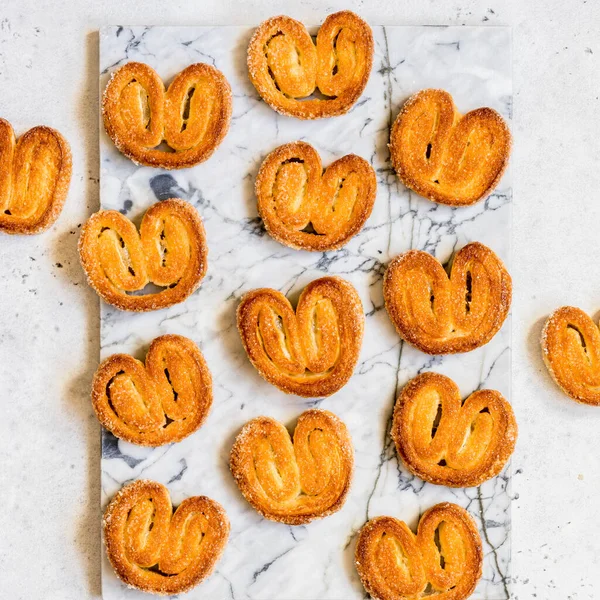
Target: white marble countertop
49, 327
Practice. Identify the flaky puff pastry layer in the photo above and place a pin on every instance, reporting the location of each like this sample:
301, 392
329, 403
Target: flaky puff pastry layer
441, 314
35, 173
170, 251
571, 351
395, 564
156, 550
448, 442
158, 403
191, 117
445, 156
294, 482
311, 351
308, 209
286, 67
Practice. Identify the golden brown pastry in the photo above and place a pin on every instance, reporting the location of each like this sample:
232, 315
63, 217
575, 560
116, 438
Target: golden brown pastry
156, 550
449, 442
445, 315
571, 351
160, 403
192, 116
308, 209
445, 156
170, 251
294, 483
286, 67
311, 352
35, 173
443, 561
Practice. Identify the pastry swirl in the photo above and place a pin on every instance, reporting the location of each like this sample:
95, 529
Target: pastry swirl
308, 209
445, 315
156, 550
447, 442
445, 156
286, 67
294, 483
311, 352
160, 403
170, 251
395, 564
192, 116
571, 351
35, 173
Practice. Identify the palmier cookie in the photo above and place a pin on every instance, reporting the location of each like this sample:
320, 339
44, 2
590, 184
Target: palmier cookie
160, 403
191, 117
448, 442
308, 209
571, 351
445, 156
444, 560
294, 483
286, 68
156, 550
445, 315
311, 352
170, 251
35, 173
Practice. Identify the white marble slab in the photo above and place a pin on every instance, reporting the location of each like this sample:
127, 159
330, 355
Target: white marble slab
264, 560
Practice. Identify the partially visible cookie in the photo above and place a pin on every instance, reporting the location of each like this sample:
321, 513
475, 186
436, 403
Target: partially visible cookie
445, 156
35, 173
444, 560
571, 351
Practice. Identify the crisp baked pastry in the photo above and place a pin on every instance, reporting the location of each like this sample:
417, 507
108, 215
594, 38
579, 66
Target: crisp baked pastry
444, 560
294, 483
160, 403
35, 173
311, 352
170, 251
449, 442
286, 67
571, 351
308, 209
156, 550
445, 315
191, 117
445, 156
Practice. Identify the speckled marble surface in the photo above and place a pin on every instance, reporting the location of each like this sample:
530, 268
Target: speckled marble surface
49, 333
269, 561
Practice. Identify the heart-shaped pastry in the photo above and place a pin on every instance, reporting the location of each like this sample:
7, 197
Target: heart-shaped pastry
445, 156
449, 442
308, 209
170, 251
156, 550
159, 403
35, 173
311, 352
191, 117
571, 351
294, 483
444, 560
287, 68
445, 315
